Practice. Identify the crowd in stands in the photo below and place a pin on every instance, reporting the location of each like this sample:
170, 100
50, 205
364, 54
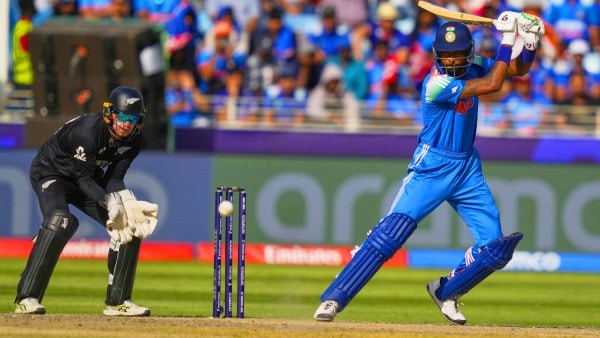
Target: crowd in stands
342, 61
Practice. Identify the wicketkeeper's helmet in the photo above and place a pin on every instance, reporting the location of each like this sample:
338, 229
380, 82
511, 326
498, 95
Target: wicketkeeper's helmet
454, 37
128, 103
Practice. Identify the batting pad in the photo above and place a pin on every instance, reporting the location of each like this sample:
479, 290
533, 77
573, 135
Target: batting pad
494, 257
387, 237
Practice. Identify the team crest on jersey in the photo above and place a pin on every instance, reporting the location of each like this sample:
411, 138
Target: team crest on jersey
80, 154
450, 35
462, 106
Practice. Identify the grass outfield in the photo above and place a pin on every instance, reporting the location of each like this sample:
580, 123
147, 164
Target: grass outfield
273, 292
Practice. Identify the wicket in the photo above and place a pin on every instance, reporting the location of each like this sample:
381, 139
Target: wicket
218, 257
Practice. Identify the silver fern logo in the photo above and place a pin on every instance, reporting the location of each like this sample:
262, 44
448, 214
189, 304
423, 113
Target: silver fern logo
46, 184
132, 100
80, 154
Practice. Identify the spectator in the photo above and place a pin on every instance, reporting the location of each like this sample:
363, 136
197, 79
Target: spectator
542, 75
574, 64
95, 9
182, 37
157, 11
21, 57
284, 103
356, 79
350, 14
399, 109
594, 21
421, 59
245, 13
293, 7
280, 38
185, 105
570, 18
322, 45
239, 105
121, 9
226, 25
330, 102
382, 30
382, 69
525, 114
578, 111
261, 67
270, 49
212, 64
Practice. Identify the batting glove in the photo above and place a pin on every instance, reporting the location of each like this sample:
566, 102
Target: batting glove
530, 24
507, 21
531, 40
507, 24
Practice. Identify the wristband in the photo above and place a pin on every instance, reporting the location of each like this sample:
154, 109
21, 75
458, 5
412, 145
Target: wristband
504, 53
527, 56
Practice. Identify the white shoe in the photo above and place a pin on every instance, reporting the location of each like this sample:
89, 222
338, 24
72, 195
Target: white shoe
128, 309
326, 311
30, 306
449, 307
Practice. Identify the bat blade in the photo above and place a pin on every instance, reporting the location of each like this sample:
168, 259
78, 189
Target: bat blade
450, 15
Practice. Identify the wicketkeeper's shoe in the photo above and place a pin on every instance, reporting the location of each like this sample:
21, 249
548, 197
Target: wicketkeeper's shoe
326, 311
449, 308
30, 306
127, 309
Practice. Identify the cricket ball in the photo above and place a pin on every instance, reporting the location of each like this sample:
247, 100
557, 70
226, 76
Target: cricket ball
225, 208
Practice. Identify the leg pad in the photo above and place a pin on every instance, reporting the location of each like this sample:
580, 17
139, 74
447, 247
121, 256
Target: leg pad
387, 237
122, 264
493, 257
51, 239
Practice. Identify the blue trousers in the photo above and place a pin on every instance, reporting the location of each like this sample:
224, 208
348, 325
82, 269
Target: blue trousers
435, 176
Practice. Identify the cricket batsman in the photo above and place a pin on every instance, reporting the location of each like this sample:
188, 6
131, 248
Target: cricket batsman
446, 168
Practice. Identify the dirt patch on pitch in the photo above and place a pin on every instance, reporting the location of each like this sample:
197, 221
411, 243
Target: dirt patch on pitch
99, 326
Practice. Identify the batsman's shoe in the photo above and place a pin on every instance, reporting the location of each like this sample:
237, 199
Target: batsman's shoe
127, 309
449, 308
326, 311
30, 306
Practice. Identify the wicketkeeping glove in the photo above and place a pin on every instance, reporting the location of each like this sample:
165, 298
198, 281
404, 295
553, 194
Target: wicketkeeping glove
150, 211
530, 24
116, 225
135, 214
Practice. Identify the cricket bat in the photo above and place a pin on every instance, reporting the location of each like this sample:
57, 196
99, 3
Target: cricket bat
450, 15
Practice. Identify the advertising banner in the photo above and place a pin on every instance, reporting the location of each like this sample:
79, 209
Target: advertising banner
314, 200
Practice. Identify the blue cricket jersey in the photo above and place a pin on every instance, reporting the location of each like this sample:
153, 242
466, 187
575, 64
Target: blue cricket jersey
450, 124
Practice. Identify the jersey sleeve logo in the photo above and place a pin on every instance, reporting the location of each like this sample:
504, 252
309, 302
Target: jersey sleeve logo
80, 154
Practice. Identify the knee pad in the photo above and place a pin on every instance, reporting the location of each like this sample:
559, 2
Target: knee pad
61, 222
387, 237
51, 239
493, 257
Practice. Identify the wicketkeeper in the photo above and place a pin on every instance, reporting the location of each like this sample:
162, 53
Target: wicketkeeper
84, 164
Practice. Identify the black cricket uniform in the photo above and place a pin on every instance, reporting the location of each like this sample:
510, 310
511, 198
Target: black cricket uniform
79, 164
